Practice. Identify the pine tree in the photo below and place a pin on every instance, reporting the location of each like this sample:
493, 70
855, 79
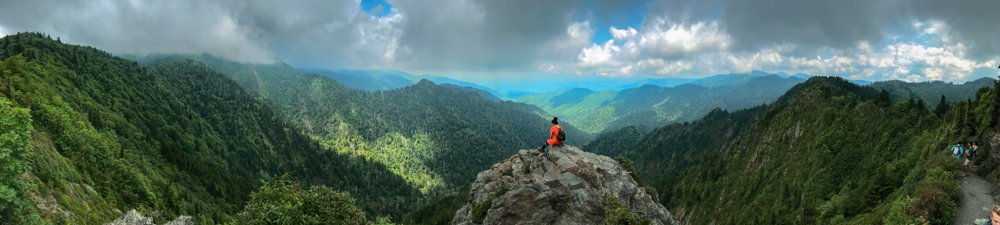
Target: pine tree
942, 107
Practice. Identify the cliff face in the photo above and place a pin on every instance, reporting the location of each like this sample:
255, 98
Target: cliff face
564, 185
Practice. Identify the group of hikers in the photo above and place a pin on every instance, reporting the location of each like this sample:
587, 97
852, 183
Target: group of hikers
958, 151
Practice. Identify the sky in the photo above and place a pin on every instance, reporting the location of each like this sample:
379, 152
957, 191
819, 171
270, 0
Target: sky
516, 41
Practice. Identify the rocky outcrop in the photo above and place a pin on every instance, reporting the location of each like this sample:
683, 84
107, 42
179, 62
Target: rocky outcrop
564, 185
133, 217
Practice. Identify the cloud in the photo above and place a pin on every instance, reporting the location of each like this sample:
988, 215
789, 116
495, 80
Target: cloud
140, 27
690, 38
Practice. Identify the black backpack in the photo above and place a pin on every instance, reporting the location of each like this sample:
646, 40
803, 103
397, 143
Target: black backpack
561, 136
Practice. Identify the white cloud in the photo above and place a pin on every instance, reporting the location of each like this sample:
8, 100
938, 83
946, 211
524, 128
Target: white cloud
622, 33
598, 55
700, 49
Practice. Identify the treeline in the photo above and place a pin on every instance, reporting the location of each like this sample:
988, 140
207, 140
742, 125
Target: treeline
174, 139
933, 90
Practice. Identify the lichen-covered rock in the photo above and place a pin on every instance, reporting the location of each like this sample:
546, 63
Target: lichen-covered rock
133, 217
181, 220
564, 185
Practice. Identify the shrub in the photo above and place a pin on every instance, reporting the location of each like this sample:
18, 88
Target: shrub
479, 210
616, 212
283, 201
526, 167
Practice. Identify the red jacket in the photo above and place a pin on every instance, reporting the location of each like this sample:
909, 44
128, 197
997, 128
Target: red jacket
552, 138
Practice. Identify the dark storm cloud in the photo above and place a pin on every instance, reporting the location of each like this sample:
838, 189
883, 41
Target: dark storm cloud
974, 23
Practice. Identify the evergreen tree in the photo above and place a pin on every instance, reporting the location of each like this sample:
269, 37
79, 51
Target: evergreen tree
942, 107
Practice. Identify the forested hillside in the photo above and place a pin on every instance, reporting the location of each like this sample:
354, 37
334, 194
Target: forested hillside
106, 135
931, 92
654, 106
436, 137
828, 151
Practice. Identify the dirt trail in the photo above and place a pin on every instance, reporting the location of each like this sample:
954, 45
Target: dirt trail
977, 202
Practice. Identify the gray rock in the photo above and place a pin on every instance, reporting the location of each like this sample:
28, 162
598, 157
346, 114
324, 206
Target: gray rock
565, 186
181, 220
133, 217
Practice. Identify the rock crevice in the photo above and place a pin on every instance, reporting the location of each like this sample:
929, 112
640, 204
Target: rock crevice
564, 185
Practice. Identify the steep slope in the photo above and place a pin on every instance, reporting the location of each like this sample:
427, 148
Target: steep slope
931, 92
436, 137
828, 151
655, 106
178, 138
563, 185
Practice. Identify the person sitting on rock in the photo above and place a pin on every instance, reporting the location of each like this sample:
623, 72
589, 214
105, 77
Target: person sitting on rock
556, 135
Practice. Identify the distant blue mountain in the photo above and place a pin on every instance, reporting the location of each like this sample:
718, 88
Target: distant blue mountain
666, 82
368, 80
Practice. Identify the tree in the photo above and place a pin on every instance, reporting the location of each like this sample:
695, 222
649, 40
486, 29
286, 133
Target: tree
942, 107
283, 201
15, 131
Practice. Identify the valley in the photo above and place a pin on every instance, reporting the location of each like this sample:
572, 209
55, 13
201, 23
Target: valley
220, 141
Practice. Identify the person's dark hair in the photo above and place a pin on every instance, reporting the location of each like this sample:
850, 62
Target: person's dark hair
555, 120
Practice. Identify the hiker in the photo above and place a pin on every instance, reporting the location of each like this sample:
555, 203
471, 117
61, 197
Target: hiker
994, 216
969, 157
556, 135
956, 150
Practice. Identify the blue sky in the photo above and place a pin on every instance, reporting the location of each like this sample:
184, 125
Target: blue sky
517, 41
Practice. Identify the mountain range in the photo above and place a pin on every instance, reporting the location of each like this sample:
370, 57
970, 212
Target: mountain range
88, 135
655, 106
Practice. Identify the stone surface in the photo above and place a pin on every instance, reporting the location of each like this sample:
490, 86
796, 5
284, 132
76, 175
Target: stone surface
181, 220
133, 217
564, 186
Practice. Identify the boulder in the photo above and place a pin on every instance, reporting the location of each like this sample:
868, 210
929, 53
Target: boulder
133, 217
563, 185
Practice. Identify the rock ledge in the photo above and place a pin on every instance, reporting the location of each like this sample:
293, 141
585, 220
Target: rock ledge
564, 185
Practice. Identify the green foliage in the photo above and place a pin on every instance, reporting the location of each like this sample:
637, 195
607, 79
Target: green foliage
441, 211
942, 107
929, 91
526, 167
435, 137
284, 201
654, 106
828, 151
177, 138
616, 212
479, 210
15, 154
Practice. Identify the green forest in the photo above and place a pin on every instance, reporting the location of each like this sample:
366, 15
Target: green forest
105, 135
827, 152
420, 131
